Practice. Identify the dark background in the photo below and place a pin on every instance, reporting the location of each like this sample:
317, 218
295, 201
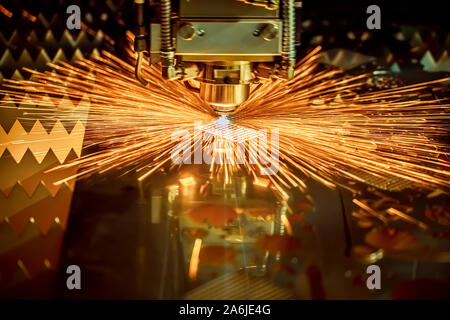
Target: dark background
330, 19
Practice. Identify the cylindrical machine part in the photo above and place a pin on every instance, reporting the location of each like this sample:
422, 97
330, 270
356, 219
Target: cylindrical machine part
140, 12
288, 12
141, 38
169, 70
226, 85
224, 97
288, 44
166, 30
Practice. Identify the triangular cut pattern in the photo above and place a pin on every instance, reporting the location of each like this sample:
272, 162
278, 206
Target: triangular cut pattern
43, 210
31, 257
29, 174
49, 110
345, 59
17, 141
430, 64
34, 54
10, 239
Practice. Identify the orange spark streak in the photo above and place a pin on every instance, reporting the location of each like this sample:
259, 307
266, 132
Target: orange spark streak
331, 128
193, 263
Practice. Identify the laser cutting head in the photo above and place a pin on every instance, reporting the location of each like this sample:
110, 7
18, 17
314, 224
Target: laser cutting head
224, 98
225, 46
226, 85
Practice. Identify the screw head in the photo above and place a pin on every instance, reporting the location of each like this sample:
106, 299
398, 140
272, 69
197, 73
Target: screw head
200, 32
269, 31
186, 31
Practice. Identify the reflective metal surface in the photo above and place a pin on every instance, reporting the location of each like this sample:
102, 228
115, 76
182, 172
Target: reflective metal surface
224, 97
188, 236
225, 85
226, 38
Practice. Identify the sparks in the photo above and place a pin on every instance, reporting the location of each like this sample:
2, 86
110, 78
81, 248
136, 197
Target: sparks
330, 128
